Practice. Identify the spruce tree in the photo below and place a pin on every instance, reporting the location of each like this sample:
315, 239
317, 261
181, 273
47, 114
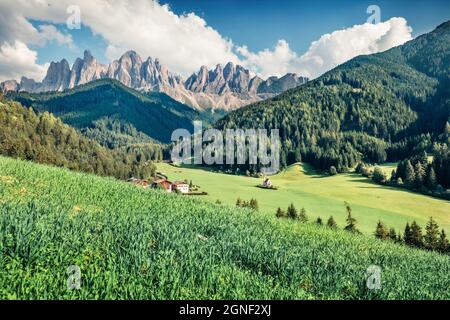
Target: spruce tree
407, 236
331, 223
381, 231
416, 235
419, 175
410, 176
292, 212
280, 213
302, 216
443, 245
431, 238
431, 179
254, 204
392, 234
351, 222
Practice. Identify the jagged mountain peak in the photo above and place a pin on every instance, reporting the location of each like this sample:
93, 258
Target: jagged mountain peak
228, 86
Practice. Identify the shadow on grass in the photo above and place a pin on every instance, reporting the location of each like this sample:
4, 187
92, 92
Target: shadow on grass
374, 185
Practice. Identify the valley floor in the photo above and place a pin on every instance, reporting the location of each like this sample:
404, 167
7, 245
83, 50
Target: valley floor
322, 196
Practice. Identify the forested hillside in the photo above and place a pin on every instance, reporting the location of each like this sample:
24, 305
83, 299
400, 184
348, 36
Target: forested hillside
112, 113
46, 139
374, 108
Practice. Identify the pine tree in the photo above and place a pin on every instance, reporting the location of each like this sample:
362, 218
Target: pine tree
407, 236
302, 216
381, 231
280, 213
319, 221
431, 179
419, 175
331, 223
392, 234
351, 222
410, 176
239, 203
431, 238
416, 235
443, 245
254, 204
292, 212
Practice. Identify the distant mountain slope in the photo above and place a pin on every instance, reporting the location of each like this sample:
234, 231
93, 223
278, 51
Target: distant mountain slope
377, 107
225, 88
100, 104
45, 139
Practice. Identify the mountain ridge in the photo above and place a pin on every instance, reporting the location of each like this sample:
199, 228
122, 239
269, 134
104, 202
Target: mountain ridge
372, 108
223, 88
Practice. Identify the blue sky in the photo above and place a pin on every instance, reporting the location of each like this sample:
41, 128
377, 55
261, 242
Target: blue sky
266, 36
260, 23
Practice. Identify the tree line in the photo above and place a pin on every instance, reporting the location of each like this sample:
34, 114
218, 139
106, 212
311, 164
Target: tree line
433, 239
428, 175
45, 139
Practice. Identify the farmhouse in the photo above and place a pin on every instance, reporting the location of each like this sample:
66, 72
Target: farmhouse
162, 183
138, 182
181, 186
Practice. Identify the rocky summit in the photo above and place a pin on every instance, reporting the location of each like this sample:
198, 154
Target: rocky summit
222, 88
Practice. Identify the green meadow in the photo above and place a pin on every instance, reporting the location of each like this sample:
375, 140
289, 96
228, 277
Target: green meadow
133, 243
321, 196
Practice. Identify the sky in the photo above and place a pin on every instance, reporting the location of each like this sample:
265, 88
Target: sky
269, 37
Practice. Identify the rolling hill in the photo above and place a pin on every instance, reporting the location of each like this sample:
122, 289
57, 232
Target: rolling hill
132, 243
46, 139
374, 108
321, 196
108, 109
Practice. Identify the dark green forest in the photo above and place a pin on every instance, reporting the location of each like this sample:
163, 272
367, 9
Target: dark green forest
43, 138
113, 114
376, 108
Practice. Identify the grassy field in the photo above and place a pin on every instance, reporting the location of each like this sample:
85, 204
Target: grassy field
322, 196
132, 243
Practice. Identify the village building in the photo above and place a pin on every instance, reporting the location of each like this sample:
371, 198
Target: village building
181, 186
163, 183
138, 182
267, 183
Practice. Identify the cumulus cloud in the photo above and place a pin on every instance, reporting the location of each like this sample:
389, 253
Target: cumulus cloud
17, 34
183, 42
49, 33
186, 42
18, 60
330, 50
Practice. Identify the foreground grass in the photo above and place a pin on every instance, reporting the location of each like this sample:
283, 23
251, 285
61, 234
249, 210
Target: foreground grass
322, 196
132, 243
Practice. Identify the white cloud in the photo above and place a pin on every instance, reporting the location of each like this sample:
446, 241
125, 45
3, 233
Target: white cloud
182, 42
49, 33
18, 60
266, 63
330, 50
185, 42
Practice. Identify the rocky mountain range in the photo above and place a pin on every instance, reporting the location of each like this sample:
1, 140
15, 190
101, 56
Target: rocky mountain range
224, 88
